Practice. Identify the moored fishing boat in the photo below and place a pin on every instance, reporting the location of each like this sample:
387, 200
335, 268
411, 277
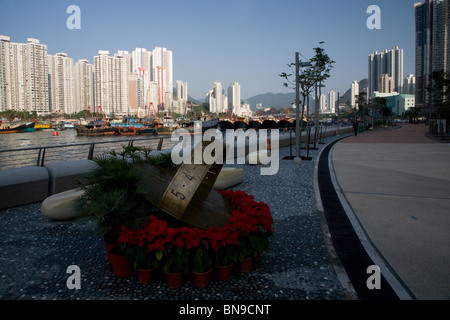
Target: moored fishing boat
95, 130
225, 124
270, 124
285, 123
11, 128
29, 126
240, 123
43, 126
255, 124
147, 130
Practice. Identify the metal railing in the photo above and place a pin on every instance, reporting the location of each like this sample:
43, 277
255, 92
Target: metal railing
39, 156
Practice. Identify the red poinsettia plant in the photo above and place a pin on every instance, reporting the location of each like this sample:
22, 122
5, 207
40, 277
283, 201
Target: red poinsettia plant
183, 248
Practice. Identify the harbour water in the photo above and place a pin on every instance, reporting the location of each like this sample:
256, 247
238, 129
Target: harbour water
46, 138
71, 146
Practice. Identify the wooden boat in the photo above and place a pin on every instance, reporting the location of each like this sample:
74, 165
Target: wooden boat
269, 124
43, 126
125, 131
147, 130
285, 123
29, 126
95, 130
225, 125
240, 123
254, 124
11, 128
162, 129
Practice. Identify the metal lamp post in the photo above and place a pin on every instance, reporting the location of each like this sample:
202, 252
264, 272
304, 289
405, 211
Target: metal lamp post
316, 120
298, 64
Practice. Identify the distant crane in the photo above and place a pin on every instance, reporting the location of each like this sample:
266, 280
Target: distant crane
154, 110
103, 115
161, 86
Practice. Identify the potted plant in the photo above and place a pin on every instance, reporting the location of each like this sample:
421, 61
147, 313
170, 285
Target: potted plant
110, 198
201, 266
176, 263
143, 262
119, 261
110, 195
259, 242
146, 266
245, 254
225, 257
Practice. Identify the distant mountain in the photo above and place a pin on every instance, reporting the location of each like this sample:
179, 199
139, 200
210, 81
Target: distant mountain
285, 100
364, 83
272, 100
196, 101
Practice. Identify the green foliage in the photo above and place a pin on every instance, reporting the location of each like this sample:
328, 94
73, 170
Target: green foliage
252, 245
259, 243
110, 195
141, 258
226, 255
176, 259
201, 260
245, 249
321, 65
317, 73
22, 115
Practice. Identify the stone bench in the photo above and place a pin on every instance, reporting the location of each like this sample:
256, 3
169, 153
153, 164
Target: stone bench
20, 186
63, 176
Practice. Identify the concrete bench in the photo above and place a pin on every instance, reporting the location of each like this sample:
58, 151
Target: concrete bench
20, 186
63, 176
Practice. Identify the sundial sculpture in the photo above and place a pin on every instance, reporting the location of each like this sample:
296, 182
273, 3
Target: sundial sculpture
188, 193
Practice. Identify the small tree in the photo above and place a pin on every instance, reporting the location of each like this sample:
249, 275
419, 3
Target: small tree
316, 74
321, 69
439, 91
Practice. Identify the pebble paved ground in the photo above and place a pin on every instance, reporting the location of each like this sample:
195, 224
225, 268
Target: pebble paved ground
35, 252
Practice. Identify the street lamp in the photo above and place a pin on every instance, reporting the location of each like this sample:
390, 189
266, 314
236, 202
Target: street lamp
298, 64
316, 120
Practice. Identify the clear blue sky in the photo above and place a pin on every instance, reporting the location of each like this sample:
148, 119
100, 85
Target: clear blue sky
248, 41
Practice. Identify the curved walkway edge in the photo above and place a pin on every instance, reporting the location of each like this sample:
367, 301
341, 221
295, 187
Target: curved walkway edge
351, 250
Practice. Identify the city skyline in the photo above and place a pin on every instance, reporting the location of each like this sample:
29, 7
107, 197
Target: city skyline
250, 42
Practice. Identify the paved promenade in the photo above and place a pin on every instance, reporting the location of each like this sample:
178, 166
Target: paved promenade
35, 252
396, 183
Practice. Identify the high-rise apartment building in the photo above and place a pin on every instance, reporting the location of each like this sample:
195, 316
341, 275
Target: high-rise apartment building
331, 97
234, 97
409, 84
5, 74
388, 62
136, 92
179, 104
32, 80
162, 73
14, 75
354, 94
152, 98
62, 92
111, 83
24, 76
323, 106
36, 74
432, 44
218, 102
84, 85
140, 72
386, 84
